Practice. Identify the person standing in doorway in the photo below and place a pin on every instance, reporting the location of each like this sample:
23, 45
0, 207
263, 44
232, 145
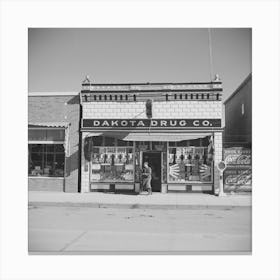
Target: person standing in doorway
147, 177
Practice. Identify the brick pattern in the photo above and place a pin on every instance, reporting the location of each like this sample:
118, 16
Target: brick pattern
60, 109
47, 108
84, 168
218, 148
72, 162
161, 110
46, 184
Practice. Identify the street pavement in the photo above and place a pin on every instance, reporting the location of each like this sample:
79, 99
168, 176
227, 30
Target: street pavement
60, 229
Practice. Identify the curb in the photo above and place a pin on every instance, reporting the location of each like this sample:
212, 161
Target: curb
32, 205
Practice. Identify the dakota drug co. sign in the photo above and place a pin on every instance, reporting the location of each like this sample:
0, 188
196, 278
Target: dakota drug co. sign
147, 123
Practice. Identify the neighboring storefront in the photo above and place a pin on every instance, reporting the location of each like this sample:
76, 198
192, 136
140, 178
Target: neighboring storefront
53, 141
238, 174
238, 139
176, 127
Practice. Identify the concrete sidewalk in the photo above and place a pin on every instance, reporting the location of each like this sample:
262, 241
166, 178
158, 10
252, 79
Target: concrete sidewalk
155, 201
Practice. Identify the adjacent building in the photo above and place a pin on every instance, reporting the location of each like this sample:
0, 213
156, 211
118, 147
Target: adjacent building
53, 141
238, 139
238, 116
98, 140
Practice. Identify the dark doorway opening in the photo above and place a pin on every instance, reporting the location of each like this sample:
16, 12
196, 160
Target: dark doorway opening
154, 160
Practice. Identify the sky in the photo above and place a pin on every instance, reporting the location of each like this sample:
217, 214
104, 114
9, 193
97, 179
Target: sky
59, 59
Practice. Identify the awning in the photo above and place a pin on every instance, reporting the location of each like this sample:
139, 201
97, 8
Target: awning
164, 137
64, 125
92, 134
48, 124
161, 137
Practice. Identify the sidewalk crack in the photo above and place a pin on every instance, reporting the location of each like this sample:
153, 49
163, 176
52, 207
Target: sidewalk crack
73, 241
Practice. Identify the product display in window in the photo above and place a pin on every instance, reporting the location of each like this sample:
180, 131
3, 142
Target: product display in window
112, 164
185, 164
46, 160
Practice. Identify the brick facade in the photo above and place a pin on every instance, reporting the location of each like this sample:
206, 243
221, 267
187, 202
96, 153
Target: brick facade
55, 107
84, 167
218, 155
46, 184
121, 102
161, 110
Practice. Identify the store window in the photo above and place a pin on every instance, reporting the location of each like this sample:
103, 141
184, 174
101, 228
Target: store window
46, 160
112, 160
190, 161
46, 154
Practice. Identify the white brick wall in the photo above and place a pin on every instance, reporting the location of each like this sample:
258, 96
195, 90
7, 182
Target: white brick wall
161, 110
84, 174
218, 148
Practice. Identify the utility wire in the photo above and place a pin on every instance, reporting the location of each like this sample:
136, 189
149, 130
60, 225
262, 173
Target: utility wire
210, 53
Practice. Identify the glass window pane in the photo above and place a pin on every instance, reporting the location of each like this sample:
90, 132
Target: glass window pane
48, 166
122, 143
55, 134
59, 165
97, 141
182, 143
112, 165
172, 144
37, 134
39, 148
59, 148
109, 141
46, 162
35, 164
50, 148
189, 164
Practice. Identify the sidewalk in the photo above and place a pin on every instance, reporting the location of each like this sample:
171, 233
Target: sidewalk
155, 201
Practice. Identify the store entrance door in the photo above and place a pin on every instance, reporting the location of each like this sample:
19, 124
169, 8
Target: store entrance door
154, 160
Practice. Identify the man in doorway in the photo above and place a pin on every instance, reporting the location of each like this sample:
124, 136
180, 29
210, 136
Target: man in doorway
147, 177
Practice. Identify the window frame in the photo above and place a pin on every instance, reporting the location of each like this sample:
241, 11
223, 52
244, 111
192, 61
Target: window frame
48, 142
187, 182
115, 181
115, 146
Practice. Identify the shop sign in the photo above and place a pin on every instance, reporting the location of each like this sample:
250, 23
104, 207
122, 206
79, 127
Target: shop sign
155, 123
237, 156
238, 179
238, 174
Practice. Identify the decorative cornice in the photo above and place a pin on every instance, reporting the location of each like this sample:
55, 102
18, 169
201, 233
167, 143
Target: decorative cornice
152, 87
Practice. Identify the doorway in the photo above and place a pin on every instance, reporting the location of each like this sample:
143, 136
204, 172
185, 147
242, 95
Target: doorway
154, 160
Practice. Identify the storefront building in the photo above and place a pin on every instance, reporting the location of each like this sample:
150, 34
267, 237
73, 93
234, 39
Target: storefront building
175, 127
53, 141
238, 139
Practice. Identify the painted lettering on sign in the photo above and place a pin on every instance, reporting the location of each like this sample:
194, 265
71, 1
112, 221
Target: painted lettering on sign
238, 175
155, 123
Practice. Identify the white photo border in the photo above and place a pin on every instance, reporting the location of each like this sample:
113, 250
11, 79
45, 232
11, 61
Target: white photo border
17, 16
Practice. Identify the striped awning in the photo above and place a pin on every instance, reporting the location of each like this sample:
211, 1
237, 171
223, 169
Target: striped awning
48, 124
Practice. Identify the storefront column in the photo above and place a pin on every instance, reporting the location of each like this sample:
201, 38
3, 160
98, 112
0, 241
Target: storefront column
218, 150
85, 186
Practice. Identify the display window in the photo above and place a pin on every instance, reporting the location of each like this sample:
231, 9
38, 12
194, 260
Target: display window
113, 160
112, 163
46, 160
190, 161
